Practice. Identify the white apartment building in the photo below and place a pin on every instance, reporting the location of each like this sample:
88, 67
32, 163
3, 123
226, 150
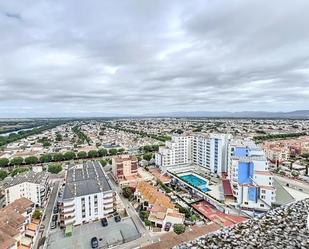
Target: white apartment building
87, 195
30, 185
177, 151
206, 150
211, 151
251, 182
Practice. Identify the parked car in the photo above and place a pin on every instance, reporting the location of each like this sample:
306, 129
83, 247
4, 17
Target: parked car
94, 242
53, 224
55, 217
104, 222
117, 218
55, 210
167, 226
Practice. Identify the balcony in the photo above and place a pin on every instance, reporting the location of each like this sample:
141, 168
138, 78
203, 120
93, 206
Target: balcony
69, 221
68, 204
108, 201
108, 196
69, 210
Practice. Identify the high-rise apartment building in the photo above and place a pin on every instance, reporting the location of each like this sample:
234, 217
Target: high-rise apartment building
175, 152
251, 182
211, 151
205, 150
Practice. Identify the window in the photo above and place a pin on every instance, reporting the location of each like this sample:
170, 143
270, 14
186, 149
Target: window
246, 203
263, 191
261, 205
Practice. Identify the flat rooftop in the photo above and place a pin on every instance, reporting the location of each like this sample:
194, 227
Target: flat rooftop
85, 179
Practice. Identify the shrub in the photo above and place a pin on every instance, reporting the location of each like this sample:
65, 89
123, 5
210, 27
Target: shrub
127, 192
54, 168
179, 228
18, 171
37, 214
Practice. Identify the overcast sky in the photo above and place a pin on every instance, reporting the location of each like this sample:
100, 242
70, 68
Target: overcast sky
84, 58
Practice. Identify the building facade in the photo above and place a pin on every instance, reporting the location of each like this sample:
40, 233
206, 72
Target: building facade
87, 195
30, 185
206, 150
251, 182
124, 166
176, 151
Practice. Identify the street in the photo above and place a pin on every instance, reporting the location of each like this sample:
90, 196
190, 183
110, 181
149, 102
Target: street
48, 213
146, 238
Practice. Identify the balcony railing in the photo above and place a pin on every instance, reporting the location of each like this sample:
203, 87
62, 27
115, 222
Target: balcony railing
68, 211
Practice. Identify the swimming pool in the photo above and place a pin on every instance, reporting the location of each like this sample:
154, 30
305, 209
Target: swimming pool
196, 182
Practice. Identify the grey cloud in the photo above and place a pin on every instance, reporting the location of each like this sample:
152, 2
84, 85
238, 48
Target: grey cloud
72, 57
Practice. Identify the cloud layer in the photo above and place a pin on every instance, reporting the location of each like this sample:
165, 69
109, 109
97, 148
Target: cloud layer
99, 57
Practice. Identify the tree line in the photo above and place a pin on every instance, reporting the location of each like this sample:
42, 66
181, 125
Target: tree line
57, 157
24, 134
280, 135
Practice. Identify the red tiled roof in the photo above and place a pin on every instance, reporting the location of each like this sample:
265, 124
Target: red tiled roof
211, 213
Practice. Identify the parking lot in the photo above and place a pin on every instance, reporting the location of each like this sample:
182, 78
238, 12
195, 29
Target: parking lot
113, 234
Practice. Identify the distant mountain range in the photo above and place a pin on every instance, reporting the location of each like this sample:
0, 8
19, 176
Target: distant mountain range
299, 114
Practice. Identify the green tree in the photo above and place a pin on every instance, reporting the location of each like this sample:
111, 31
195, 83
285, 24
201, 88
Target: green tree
54, 168
127, 192
31, 160
46, 158
112, 152
82, 155
58, 137
58, 157
103, 162
92, 153
4, 162
147, 223
144, 215
17, 161
295, 173
120, 151
37, 214
3, 174
18, 171
46, 144
70, 155
179, 228
147, 156
102, 152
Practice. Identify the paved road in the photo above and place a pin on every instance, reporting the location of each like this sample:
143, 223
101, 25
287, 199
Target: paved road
48, 212
146, 237
295, 184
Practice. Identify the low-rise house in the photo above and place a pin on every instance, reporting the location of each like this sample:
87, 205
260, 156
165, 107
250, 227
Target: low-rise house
161, 209
14, 220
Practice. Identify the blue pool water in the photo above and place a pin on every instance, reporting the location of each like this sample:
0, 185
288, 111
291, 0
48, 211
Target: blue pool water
196, 182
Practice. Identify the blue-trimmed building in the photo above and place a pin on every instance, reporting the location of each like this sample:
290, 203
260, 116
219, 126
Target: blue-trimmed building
251, 182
